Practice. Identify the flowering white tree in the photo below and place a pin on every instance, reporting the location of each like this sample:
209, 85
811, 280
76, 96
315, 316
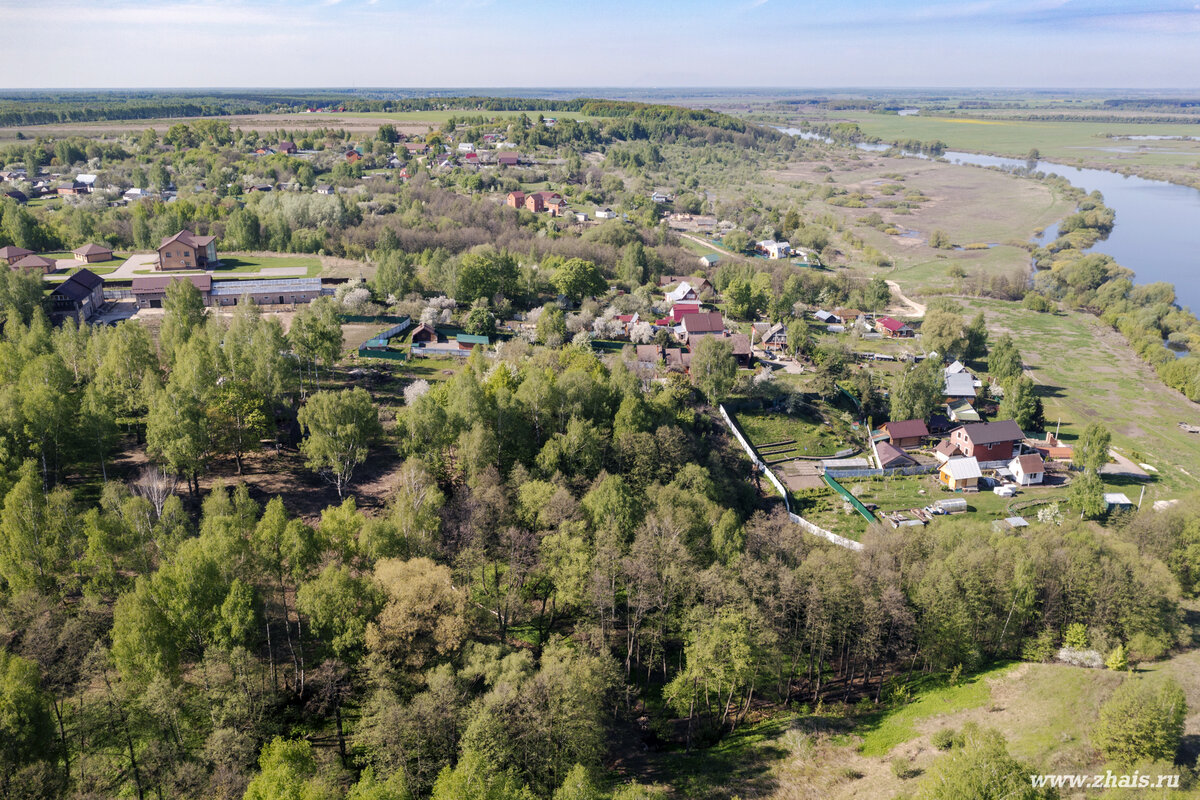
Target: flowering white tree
641, 332
415, 390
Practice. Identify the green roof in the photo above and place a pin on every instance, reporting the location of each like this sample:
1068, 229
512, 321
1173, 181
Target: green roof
470, 338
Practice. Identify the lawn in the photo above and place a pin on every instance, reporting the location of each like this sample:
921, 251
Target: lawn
902, 492
898, 726
813, 437
255, 264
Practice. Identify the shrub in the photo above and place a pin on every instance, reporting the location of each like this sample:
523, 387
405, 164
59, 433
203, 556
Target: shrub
903, 769
943, 739
1142, 721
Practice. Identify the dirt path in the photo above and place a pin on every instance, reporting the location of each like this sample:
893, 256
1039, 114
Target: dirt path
906, 307
709, 244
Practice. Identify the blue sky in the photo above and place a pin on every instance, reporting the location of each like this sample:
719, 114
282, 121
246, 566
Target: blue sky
636, 43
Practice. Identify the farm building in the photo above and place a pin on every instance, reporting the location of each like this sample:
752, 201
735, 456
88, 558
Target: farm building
149, 292
960, 473
281, 291
467, 341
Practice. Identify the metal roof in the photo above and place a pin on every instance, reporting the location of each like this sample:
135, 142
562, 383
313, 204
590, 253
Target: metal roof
266, 286
961, 469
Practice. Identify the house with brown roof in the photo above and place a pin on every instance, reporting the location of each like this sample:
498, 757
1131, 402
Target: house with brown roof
906, 433
11, 254
79, 296
741, 348
515, 200
424, 334
508, 159
353, 156
1028, 469
988, 441
891, 457
678, 360
649, 355
705, 323
771, 337
186, 250
36, 264
848, 315
91, 253
288, 148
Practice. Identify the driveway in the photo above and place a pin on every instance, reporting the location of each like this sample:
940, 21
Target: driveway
137, 261
906, 306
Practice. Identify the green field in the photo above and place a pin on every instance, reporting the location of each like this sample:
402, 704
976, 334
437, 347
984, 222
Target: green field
249, 264
1071, 142
812, 436
900, 493
1086, 372
438, 116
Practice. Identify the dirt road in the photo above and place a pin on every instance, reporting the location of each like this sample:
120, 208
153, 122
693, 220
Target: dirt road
905, 306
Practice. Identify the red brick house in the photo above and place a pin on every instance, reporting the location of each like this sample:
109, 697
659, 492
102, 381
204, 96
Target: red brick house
353, 156
988, 441
515, 200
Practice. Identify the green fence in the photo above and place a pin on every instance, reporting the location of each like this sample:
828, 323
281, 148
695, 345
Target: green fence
844, 492
386, 355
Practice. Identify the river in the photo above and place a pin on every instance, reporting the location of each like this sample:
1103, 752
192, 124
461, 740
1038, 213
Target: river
1157, 230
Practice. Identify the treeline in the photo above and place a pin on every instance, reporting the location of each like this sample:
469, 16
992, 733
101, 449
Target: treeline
1147, 315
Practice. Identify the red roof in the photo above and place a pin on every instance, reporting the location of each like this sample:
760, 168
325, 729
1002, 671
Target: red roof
891, 324
680, 309
625, 318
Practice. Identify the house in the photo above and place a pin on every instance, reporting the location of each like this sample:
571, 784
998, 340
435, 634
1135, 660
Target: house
515, 200
774, 337
709, 260
264, 151
72, 187
20, 197
605, 213
906, 433
955, 368
678, 360
289, 148
11, 254
466, 147
541, 201
959, 386
701, 285
1028, 469
648, 354
425, 334
848, 315
891, 457
149, 292
988, 441
946, 450
680, 310
580, 216
324, 188
508, 159
960, 473
136, 193
36, 263
79, 296
962, 412
416, 148
705, 323
353, 156
773, 249
827, 317
1051, 447
893, 329
91, 253
186, 250
468, 341
659, 198
683, 291
741, 348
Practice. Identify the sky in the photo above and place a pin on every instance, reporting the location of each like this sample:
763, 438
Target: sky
600, 43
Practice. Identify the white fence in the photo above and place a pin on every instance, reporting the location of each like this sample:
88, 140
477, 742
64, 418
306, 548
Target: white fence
779, 487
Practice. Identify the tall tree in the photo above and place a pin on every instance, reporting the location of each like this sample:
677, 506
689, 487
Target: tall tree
339, 428
714, 369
